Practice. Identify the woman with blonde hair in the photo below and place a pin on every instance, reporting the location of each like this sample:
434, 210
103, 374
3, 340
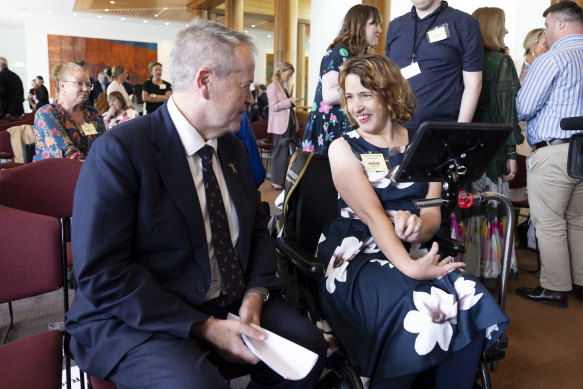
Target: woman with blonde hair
496, 104
67, 127
411, 309
359, 32
534, 45
282, 121
119, 74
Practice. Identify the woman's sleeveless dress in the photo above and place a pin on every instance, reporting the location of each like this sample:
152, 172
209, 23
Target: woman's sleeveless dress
389, 324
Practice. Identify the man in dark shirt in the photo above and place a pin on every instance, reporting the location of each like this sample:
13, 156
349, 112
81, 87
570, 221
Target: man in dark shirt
439, 50
11, 91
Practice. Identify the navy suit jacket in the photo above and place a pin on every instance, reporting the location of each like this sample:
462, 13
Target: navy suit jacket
140, 251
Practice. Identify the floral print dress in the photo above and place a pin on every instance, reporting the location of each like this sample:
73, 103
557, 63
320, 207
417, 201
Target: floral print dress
56, 136
326, 122
389, 324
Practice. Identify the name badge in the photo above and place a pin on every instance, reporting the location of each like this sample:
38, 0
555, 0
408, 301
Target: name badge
374, 162
88, 129
411, 70
438, 33
162, 86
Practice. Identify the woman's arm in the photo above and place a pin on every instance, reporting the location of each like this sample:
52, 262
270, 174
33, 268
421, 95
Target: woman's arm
353, 186
330, 92
273, 97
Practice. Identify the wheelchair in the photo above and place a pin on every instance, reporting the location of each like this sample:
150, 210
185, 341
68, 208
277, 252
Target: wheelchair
311, 203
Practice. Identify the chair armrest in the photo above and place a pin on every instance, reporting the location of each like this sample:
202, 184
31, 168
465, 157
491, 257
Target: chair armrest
448, 246
300, 257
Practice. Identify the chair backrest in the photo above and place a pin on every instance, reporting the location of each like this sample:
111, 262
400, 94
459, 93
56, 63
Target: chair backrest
312, 204
260, 129
45, 187
6, 151
31, 254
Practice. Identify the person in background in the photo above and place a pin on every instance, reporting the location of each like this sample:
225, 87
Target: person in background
534, 45
248, 137
496, 104
440, 51
11, 91
411, 310
155, 91
118, 111
137, 99
41, 92
263, 102
67, 127
97, 89
119, 75
32, 95
326, 121
553, 90
170, 237
282, 122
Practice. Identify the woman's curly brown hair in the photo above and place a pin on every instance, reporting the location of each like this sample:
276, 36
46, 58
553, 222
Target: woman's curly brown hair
383, 78
352, 33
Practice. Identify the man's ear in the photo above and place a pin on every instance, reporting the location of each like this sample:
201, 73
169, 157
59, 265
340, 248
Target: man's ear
202, 81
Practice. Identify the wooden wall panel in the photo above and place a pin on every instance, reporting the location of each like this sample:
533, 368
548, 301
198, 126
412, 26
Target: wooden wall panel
99, 53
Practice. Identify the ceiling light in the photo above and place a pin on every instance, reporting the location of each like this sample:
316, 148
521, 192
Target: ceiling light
99, 16
167, 23
188, 25
156, 15
253, 26
123, 19
145, 21
269, 36
75, 13
106, 10
112, 2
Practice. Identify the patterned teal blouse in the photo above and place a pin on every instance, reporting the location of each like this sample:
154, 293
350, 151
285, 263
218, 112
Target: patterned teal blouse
56, 135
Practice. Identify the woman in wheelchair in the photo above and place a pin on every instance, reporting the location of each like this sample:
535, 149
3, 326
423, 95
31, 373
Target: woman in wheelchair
411, 310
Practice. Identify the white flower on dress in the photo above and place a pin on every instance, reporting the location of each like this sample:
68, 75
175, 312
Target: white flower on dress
347, 250
432, 319
370, 247
348, 213
383, 262
353, 134
378, 179
490, 330
465, 290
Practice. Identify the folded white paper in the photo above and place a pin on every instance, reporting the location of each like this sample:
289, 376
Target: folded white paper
286, 358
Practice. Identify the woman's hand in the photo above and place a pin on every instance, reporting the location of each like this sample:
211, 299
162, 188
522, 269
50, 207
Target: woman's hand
408, 226
429, 267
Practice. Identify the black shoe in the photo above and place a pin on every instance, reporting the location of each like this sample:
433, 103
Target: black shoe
577, 292
544, 296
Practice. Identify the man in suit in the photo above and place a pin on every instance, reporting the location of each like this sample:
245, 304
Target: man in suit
11, 91
151, 306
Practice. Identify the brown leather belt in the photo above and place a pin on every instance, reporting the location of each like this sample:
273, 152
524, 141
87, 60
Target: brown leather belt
556, 141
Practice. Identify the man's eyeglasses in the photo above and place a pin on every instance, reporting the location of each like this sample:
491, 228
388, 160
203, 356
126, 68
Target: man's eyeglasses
81, 84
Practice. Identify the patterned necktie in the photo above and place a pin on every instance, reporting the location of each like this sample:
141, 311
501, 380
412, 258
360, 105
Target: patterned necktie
231, 274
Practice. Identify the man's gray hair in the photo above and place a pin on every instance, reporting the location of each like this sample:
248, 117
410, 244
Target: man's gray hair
204, 43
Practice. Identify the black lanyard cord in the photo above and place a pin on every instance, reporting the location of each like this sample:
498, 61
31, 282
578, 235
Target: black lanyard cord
416, 43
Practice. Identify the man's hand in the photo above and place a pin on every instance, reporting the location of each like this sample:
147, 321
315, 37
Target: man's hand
225, 336
251, 307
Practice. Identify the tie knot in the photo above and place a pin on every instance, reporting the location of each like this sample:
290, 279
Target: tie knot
206, 152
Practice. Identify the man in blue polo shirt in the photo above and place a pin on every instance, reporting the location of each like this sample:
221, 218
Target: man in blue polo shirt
439, 50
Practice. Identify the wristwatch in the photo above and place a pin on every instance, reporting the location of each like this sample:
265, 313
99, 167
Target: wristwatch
264, 292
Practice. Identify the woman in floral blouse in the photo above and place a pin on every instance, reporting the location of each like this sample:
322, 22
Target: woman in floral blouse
67, 127
360, 30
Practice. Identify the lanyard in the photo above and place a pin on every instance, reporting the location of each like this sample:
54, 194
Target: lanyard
417, 44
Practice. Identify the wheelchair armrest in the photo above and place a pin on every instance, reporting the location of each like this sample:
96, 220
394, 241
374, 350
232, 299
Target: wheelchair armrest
448, 246
300, 257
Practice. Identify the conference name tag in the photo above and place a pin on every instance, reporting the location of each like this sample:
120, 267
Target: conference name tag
374, 162
162, 86
88, 129
438, 33
410, 71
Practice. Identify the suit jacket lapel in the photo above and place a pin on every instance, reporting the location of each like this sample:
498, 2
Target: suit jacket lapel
175, 174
